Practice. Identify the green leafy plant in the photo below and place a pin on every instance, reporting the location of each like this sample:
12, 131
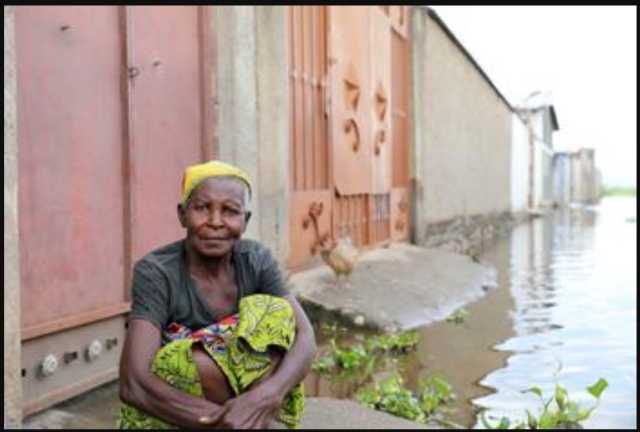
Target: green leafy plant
323, 364
332, 329
565, 414
436, 392
400, 342
345, 361
357, 363
346, 364
391, 396
351, 358
458, 316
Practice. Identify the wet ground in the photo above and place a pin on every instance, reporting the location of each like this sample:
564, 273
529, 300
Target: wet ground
566, 298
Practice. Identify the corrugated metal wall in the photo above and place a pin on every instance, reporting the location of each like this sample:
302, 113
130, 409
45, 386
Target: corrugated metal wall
307, 76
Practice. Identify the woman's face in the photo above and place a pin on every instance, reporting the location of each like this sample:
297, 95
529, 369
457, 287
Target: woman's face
214, 216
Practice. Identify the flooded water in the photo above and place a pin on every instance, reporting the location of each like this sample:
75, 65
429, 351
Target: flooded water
564, 311
573, 279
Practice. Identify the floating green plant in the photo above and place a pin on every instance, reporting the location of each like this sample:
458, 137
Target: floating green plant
332, 330
436, 392
358, 362
392, 397
346, 364
458, 316
360, 356
566, 413
399, 342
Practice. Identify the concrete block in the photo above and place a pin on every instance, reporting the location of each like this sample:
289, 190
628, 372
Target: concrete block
12, 377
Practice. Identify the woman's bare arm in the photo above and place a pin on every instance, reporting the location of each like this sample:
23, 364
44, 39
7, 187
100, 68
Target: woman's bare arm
144, 390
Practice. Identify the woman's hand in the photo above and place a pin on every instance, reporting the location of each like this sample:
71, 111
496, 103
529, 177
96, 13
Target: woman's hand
255, 408
214, 419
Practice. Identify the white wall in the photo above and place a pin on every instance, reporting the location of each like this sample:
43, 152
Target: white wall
561, 178
519, 164
543, 154
537, 172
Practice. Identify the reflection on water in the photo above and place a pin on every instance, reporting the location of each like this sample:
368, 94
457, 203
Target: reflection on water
573, 280
566, 296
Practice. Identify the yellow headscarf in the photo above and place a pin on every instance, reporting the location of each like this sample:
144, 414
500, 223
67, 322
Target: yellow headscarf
195, 174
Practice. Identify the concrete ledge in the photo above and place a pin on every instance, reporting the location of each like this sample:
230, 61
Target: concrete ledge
328, 413
98, 409
396, 288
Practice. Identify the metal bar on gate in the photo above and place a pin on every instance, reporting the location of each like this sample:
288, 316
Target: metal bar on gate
302, 107
308, 99
311, 74
128, 143
299, 117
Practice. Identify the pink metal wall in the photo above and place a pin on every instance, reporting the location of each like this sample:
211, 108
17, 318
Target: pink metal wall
165, 117
71, 147
112, 105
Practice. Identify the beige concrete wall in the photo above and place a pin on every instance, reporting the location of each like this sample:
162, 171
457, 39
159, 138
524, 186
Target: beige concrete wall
253, 111
273, 126
538, 156
543, 156
237, 95
462, 130
561, 178
12, 379
419, 135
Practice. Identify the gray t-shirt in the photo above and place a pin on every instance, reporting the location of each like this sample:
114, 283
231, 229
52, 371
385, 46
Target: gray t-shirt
163, 292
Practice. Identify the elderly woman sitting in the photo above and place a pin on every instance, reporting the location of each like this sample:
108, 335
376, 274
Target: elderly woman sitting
214, 339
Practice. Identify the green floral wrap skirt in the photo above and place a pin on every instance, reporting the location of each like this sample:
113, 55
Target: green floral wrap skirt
238, 344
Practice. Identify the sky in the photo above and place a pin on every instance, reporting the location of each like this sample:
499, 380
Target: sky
581, 58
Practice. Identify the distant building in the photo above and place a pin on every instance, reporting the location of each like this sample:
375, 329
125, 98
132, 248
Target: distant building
541, 122
598, 189
520, 164
586, 178
561, 178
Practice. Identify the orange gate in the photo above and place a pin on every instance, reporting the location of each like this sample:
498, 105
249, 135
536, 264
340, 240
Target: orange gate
349, 88
110, 109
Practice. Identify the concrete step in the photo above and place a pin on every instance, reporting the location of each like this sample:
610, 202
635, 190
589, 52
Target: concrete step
396, 288
98, 409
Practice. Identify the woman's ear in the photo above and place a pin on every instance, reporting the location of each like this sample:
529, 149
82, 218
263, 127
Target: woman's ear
181, 216
247, 216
